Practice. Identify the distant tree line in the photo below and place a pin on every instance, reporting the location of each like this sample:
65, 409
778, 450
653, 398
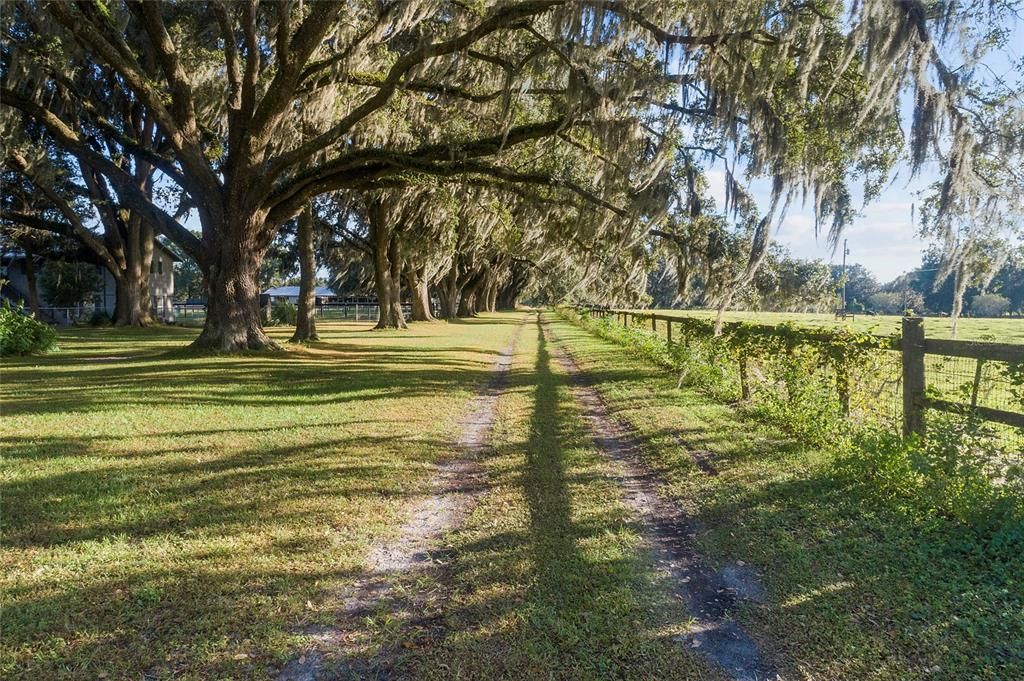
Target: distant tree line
785, 283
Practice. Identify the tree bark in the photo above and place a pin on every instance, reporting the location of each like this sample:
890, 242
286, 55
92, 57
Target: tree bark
469, 298
467, 304
509, 292
305, 326
134, 304
233, 295
128, 306
959, 289
33, 287
492, 296
387, 270
720, 317
448, 292
420, 294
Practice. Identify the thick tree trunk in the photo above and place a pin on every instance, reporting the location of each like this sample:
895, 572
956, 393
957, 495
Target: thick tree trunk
128, 307
959, 289
420, 294
33, 287
492, 296
507, 298
232, 310
469, 299
467, 304
720, 317
508, 295
448, 292
387, 271
146, 256
134, 304
305, 326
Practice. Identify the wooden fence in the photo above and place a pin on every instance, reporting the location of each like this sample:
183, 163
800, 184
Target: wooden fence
915, 346
912, 348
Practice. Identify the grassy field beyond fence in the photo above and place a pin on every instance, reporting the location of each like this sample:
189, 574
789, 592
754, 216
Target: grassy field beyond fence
1003, 330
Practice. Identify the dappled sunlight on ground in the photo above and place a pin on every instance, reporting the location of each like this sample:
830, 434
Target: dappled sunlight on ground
171, 513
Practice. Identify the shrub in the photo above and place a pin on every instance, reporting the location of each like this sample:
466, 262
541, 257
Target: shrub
284, 313
958, 472
990, 305
792, 374
100, 318
886, 302
22, 334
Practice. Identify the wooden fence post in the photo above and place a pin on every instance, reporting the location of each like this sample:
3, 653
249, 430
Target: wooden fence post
668, 323
654, 324
843, 386
744, 382
913, 376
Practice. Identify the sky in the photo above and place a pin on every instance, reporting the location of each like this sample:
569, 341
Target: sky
883, 237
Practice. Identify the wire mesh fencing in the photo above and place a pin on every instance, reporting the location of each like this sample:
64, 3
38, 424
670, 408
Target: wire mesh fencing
818, 380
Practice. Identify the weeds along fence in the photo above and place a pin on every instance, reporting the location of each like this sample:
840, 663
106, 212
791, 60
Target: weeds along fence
819, 382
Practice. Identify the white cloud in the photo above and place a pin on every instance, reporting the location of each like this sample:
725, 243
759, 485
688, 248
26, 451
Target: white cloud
883, 239
716, 186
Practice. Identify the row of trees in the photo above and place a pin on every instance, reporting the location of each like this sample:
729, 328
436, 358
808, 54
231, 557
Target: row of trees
478, 149
784, 283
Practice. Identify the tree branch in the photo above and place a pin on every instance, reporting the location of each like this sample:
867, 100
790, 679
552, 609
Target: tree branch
500, 19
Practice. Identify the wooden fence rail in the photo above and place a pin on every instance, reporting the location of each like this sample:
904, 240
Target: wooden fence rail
913, 347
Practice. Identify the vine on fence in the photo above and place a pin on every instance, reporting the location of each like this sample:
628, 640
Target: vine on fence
796, 377
808, 382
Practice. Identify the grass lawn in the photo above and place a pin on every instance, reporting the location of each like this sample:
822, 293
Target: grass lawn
176, 516
1003, 330
549, 581
857, 589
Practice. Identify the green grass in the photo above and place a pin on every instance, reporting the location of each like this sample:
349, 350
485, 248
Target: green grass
175, 516
999, 330
858, 588
549, 580
172, 515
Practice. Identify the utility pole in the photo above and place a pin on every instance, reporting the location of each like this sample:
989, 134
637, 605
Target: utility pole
846, 252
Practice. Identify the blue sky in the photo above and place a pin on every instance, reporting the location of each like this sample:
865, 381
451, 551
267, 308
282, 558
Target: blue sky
883, 238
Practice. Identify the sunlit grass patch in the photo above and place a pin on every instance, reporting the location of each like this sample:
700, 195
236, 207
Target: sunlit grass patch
858, 587
171, 514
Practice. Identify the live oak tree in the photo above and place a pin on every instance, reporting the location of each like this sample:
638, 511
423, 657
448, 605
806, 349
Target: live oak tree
125, 244
226, 100
80, 196
305, 325
261, 107
977, 217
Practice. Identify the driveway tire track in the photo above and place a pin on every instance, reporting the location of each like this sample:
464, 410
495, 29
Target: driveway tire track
710, 596
335, 652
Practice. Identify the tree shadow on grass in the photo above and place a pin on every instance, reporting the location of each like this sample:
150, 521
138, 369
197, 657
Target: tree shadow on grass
175, 494
161, 562
860, 585
184, 616
355, 373
156, 543
564, 594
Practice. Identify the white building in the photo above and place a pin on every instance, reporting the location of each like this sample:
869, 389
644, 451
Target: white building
161, 287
